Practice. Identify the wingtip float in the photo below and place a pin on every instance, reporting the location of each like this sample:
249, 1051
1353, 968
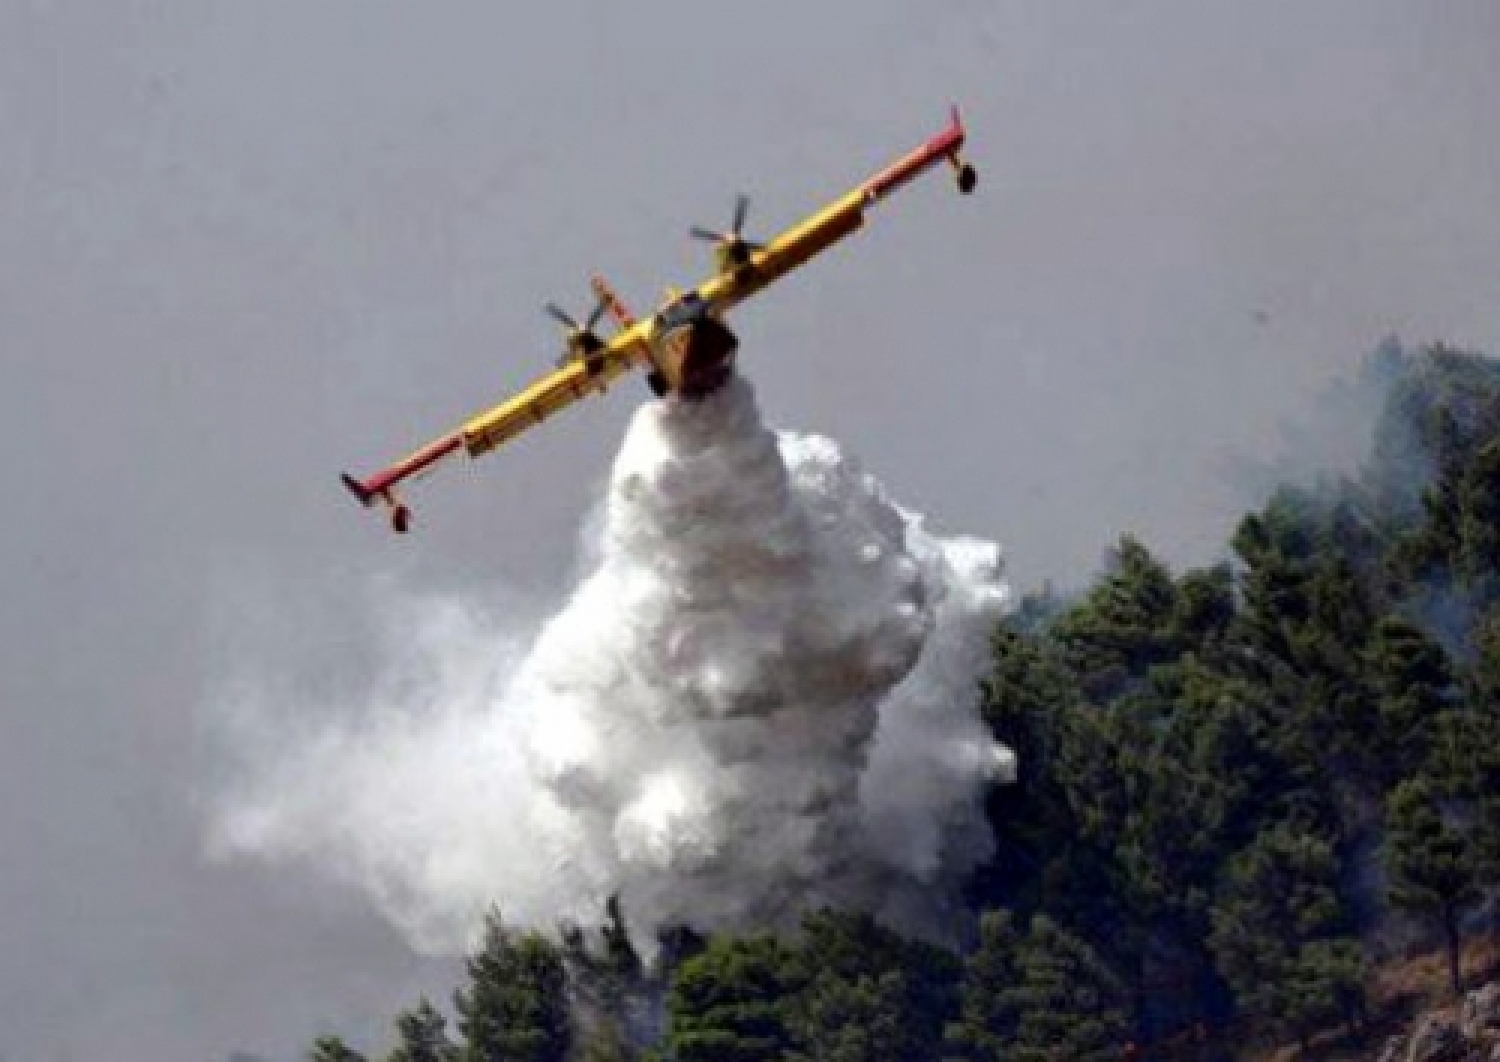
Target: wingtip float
684, 345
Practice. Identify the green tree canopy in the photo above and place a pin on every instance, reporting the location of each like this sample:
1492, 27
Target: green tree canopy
988, 1017
423, 1034
333, 1049
1124, 625
515, 1008
1070, 1003
1432, 867
1281, 935
850, 963
1414, 685
729, 1003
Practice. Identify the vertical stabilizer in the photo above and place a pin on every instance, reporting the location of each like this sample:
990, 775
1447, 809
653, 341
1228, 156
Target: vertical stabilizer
617, 309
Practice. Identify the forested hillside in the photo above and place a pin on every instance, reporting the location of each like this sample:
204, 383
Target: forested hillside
1241, 789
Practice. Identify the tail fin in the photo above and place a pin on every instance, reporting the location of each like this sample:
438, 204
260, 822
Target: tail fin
617, 309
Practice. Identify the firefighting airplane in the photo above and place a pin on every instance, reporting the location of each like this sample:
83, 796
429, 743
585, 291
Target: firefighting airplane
685, 347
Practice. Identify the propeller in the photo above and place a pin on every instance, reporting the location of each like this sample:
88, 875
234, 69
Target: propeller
734, 249
582, 339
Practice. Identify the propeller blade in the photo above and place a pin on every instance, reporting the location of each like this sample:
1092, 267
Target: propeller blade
596, 315
697, 232
557, 313
741, 209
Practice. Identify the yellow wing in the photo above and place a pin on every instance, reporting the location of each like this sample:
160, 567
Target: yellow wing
786, 252
557, 390
844, 216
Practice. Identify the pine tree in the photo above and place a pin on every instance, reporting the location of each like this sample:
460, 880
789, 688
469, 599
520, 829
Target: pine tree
1045, 856
1466, 757
1324, 983
1443, 417
1204, 610
846, 962
423, 1034
607, 1042
1124, 625
988, 1018
729, 1002
1414, 686
1302, 635
1070, 1004
333, 1049
1432, 867
1278, 918
608, 987
515, 1008
1233, 730
839, 1019
1276, 546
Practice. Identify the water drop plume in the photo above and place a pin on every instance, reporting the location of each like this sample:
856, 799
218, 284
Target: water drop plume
763, 697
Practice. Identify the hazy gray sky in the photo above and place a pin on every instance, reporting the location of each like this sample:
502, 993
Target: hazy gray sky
245, 245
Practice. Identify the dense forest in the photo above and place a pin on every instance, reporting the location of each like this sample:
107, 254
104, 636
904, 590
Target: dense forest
1242, 788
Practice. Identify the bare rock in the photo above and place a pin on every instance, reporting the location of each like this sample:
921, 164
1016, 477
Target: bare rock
1480, 1017
1393, 1051
1438, 1039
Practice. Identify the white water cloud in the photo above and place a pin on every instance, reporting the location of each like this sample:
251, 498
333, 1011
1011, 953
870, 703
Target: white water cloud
763, 697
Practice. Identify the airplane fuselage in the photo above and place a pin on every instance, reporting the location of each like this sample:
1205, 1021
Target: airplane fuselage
692, 350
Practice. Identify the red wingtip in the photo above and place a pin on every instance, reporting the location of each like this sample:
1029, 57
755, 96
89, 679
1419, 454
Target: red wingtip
363, 493
958, 122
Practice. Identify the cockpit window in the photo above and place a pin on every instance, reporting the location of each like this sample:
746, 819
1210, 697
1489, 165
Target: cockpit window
690, 307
